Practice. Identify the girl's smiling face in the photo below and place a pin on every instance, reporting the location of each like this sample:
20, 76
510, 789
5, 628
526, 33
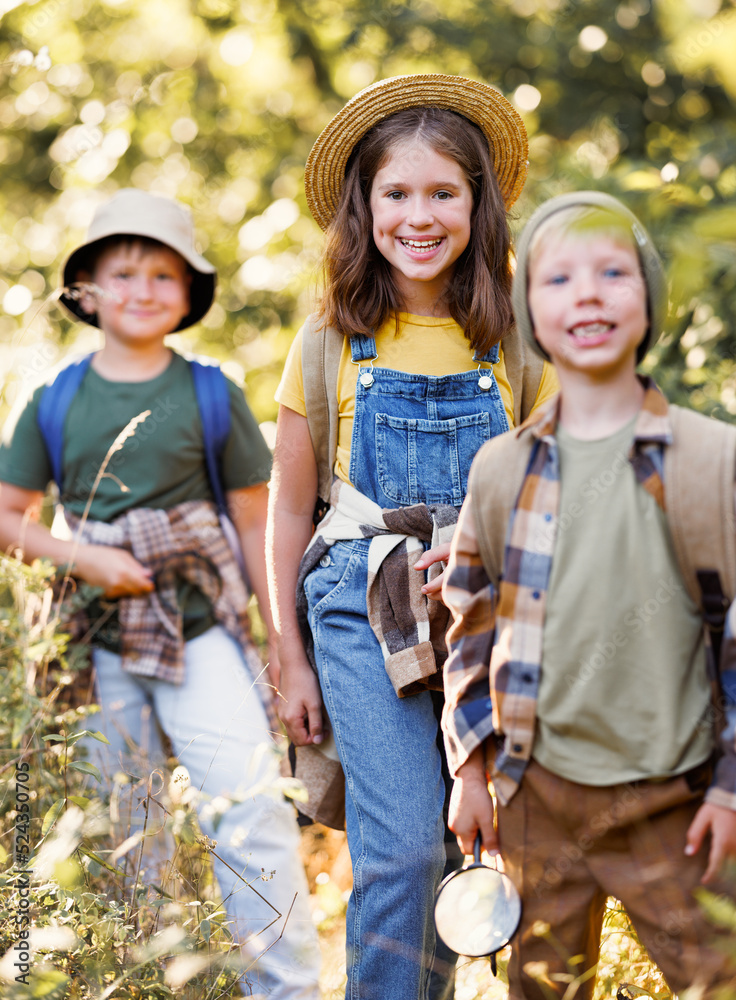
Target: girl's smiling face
421, 203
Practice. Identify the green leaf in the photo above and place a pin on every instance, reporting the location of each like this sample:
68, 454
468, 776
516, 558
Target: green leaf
98, 860
49, 984
100, 737
205, 929
79, 800
86, 768
51, 816
54, 738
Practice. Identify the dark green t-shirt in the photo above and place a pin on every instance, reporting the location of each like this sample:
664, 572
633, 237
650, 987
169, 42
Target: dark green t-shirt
161, 465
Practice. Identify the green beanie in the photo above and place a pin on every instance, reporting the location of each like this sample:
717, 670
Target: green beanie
651, 265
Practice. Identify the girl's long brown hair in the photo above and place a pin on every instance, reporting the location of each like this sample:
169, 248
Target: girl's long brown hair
360, 292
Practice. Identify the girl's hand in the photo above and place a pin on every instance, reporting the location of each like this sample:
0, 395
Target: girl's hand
721, 824
300, 705
471, 806
440, 553
115, 570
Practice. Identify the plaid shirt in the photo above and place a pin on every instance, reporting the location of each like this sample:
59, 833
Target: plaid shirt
493, 671
183, 542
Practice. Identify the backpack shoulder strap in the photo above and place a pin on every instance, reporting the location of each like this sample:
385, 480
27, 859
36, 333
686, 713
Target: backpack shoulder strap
699, 469
53, 407
213, 400
495, 481
321, 351
524, 369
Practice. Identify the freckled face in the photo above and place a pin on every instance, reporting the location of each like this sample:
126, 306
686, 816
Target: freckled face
421, 202
147, 292
588, 302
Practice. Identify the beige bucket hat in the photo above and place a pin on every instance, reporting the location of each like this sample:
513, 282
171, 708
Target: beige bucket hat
131, 212
485, 106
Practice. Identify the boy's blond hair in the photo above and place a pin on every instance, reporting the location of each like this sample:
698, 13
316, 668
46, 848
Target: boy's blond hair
598, 214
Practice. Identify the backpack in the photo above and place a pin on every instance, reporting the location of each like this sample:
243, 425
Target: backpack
213, 401
699, 468
321, 350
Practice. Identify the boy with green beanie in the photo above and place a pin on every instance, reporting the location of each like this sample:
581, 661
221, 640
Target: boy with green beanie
175, 653
579, 679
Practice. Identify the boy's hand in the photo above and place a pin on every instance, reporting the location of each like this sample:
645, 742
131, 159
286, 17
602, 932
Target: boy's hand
721, 824
440, 553
471, 806
300, 707
115, 570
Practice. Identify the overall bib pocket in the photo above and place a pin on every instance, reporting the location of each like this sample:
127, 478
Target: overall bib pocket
428, 461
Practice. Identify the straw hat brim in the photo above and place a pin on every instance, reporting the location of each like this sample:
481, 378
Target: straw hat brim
482, 104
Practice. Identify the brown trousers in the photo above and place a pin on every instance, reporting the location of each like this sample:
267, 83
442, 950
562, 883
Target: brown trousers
569, 846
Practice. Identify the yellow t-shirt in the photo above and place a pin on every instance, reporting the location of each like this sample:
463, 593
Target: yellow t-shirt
427, 345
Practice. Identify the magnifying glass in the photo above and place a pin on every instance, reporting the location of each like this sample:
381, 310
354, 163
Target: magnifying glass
477, 910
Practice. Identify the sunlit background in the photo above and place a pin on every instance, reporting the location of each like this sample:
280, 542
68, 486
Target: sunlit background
218, 103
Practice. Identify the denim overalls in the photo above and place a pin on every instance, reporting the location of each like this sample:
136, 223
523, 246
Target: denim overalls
414, 438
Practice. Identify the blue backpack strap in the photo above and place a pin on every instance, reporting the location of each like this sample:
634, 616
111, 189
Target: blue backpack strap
213, 400
53, 408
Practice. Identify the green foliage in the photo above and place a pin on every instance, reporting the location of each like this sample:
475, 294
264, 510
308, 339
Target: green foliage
218, 104
96, 930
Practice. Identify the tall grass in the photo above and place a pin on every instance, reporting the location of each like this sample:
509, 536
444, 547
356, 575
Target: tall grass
95, 929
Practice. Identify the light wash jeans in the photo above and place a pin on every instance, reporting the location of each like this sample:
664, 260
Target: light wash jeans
219, 732
394, 795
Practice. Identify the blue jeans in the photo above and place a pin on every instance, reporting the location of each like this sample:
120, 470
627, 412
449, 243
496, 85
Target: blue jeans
219, 732
394, 787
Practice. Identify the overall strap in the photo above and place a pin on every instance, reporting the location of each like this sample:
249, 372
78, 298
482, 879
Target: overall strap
321, 351
53, 408
363, 349
490, 357
524, 369
699, 469
213, 400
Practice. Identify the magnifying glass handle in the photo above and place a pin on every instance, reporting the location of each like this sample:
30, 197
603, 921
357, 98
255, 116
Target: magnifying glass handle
494, 967
477, 847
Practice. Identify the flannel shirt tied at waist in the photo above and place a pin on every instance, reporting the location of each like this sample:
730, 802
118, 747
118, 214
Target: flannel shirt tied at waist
492, 673
184, 542
410, 629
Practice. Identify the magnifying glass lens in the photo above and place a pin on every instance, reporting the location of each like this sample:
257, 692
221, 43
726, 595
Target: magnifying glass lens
477, 911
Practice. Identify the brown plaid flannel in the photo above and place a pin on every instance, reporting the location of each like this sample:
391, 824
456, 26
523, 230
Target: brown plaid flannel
492, 672
184, 542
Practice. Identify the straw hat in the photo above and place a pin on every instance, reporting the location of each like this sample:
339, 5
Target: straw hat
651, 265
482, 104
131, 212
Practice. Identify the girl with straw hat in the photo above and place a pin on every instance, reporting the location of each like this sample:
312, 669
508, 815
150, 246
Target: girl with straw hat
409, 365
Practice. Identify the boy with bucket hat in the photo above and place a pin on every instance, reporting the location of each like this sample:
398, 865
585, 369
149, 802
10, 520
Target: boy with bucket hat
589, 586
176, 441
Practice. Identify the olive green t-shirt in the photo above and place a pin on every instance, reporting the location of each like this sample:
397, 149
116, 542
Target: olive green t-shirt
623, 692
161, 465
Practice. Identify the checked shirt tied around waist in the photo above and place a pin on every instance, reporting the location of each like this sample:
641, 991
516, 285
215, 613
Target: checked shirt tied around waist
410, 629
183, 542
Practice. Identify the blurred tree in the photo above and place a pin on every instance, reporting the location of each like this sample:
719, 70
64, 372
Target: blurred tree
218, 102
